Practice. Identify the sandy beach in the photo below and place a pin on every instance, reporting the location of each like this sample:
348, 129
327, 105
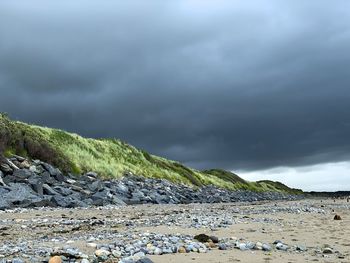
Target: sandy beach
306, 224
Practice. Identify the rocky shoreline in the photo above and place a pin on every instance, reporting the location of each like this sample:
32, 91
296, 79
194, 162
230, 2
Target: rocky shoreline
25, 184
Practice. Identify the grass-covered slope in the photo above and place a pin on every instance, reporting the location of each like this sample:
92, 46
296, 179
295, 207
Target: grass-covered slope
108, 157
239, 183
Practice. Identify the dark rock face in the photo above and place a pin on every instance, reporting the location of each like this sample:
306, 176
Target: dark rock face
33, 184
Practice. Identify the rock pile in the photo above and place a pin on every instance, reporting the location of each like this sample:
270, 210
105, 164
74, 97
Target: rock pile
25, 183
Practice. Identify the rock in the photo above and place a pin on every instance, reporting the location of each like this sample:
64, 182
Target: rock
6, 168
144, 260
222, 247
71, 181
48, 190
95, 186
24, 165
4, 204
12, 165
203, 238
158, 251
327, 250
67, 201
250, 245
337, 217
55, 259
47, 186
243, 246
17, 260
301, 248
210, 244
54, 172
1, 180
266, 247
277, 241
258, 246
19, 158
281, 246
102, 254
37, 185
181, 250
116, 253
93, 245
21, 195
121, 188
91, 174
22, 174
214, 239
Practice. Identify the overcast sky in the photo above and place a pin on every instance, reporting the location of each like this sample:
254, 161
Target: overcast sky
249, 86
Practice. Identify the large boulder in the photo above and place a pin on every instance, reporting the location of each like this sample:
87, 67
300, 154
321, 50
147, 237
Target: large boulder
54, 172
67, 201
22, 195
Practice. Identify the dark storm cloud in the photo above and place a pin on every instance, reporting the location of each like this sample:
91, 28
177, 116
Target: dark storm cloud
210, 83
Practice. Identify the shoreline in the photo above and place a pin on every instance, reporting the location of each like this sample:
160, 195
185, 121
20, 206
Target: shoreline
307, 223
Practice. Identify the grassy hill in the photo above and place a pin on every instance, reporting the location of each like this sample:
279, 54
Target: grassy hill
110, 158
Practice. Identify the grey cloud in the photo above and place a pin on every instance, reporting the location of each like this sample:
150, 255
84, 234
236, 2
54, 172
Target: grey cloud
231, 85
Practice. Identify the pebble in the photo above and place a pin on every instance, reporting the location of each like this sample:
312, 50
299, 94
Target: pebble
181, 250
281, 246
327, 250
55, 259
266, 247
222, 247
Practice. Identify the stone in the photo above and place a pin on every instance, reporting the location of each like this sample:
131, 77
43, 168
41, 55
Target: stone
6, 168
301, 248
22, 173
70, 181
222, 247
95, 186
327, 250
214, 239
102, 253
1, 180
18, 158
21, 194
243, 246
116, 253
266, 247
37, 185
144, 260
281, 246
24, 165
93, 245
250, 245
91, 174
211, 244
158, 251
258, 246
181, 250
277, 241
48, 190
55, 259
33, 169
203, 238
337, 217
12, 165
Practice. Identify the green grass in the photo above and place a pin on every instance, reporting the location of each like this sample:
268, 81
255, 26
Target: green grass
110, 158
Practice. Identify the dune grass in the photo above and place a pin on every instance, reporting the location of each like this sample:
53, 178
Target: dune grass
110, 158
